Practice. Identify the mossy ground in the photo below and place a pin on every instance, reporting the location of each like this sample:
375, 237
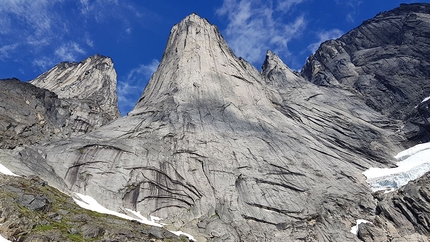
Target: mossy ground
64, 220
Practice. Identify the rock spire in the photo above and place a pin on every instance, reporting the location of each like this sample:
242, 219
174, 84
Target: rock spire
92, 79
223, 151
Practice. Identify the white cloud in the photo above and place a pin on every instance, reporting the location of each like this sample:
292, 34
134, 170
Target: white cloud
286, 5
43, 63
323, 36
5, 24
88, 40
6, 50
100, 10
34, 14
130, 88
69, 51
253, 28
127, 94
351, 8
143, 70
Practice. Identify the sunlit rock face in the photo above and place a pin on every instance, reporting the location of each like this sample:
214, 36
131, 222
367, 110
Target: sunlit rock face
229, 153
70, 99
386, 61
92, 81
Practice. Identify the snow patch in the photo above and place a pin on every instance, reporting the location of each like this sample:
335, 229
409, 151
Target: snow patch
354, 229
179, 233
6, 171
144, 220
90, 203
413, 163
2, 239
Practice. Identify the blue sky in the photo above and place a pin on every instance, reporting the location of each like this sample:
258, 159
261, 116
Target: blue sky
37, 34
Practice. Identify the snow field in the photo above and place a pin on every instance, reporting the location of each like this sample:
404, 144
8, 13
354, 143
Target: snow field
90, 203
413, 163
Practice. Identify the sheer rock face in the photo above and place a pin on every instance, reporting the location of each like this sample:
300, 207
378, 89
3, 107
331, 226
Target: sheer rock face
28, 114
402, 215
70, 99
91, 81
228, 153
225, 152
385, 60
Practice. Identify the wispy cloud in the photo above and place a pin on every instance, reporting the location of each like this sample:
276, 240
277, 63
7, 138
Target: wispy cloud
286, 5
69, 51
34, 14
40, 28
6, 50
323, 36
88, 40
129, 88
351, 8
253, 28
43, 63
143, 70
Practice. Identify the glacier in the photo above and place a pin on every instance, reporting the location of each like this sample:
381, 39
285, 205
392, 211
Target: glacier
413, 163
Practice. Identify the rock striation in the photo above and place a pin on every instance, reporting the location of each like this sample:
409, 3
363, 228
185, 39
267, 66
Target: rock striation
402, 215
385, 60
92, 82
29, 114
225, 152
70, 99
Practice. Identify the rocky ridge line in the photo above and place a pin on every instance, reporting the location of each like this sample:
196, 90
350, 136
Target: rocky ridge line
226, 152
68, 100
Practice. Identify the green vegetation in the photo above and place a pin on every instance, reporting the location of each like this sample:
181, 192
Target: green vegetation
61, 219
43, 228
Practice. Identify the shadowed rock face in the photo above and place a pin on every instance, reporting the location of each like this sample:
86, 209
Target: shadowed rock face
402, 215
28, 114
228, 153
385, 60
92, 80
70, 99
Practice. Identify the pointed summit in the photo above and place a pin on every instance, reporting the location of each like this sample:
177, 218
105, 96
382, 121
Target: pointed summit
197, 67
276, 72
91, 79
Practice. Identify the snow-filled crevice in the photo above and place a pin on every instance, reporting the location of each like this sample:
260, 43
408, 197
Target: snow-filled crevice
413, 163
354, 229
90, 203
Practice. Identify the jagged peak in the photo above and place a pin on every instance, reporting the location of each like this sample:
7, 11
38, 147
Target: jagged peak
189, 31
197, 50
194, 17
91, 59
274, 63
93, 78
271, 60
